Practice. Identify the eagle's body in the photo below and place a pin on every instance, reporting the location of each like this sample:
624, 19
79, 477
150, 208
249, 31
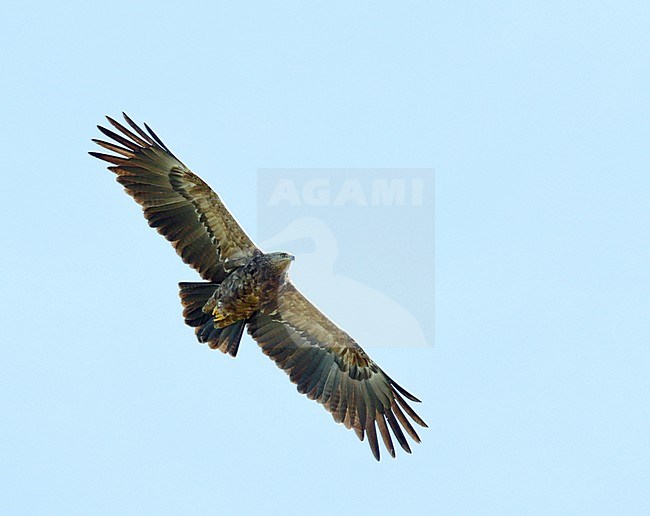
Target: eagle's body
245, 288
249, 288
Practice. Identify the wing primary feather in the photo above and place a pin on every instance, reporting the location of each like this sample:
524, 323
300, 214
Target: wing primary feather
115, 160
402, 390
126, 132
137, 128
394, 425
119, 139
371, 432
372, 401
410, 411
332, 404
334, 400
350, 402
405, 423
360, 404
359, 430
158, 140
382, 392
115, 148
385, 434
346, 397
134, 169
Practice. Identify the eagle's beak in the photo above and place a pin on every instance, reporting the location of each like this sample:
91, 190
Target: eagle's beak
286, 261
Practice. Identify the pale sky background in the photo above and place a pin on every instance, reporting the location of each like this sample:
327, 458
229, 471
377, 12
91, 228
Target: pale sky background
534, 116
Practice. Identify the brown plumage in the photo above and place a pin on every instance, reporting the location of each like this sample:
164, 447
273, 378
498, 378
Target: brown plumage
245, 287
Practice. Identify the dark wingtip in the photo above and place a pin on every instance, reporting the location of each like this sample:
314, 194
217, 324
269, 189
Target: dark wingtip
401, 389
115, 160
157, 139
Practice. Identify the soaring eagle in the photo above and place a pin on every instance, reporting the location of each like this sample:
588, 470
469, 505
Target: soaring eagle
247, 288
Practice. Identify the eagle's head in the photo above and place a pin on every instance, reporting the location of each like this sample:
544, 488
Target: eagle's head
280, 261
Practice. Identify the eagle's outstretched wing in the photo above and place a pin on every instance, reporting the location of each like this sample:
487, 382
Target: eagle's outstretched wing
175, 201
330, 367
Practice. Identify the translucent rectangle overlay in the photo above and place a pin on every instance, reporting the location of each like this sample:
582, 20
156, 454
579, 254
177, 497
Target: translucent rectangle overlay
363, 241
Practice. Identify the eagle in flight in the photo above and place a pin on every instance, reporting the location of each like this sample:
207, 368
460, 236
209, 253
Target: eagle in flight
247, 288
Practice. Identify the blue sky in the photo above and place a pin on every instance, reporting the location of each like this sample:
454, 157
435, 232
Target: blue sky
534, 116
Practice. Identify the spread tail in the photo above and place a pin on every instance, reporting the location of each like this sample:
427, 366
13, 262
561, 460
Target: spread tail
194, 296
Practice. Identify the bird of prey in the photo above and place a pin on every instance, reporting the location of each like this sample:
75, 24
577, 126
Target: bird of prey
247, 288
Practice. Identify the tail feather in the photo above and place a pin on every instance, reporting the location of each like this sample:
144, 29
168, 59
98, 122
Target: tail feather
194, 296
